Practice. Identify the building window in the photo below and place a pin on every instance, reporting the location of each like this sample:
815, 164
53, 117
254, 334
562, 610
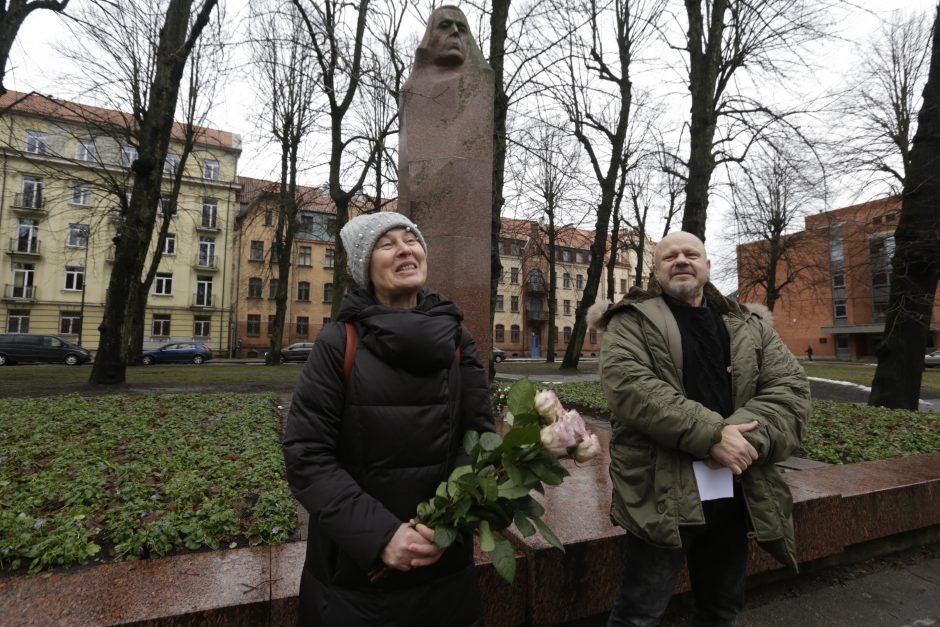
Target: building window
253, 327
161, 325
514, 333
206, 252
514, 304
204, 291
254, 287
515, 249
163, 285
500, 335
499, 302
327, 292
838, 280
579, 282
37, 142
210, 212
330, 258
168, 206
85, 150
303, 290
211, 170
271, 319
567, 307
128, 156
880, 279
303, 326
514, 276
305, 256
257, 251
269, 218
171, 164
502, 276
74, 278
593, 336
581, 256
836, 254
567, 334
32, 192
623, 286
169, 244
78, 236
566, 255
70, 323
841, 311
202, 326
566, 281
272, 287
81, 194
18, 321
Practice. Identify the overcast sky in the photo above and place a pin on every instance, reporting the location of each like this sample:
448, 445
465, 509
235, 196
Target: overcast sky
35, 65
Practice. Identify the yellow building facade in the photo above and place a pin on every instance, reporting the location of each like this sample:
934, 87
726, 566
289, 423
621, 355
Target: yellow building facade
64, 168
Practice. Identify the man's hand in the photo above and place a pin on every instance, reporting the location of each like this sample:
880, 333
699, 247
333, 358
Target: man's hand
411, 547
733, 451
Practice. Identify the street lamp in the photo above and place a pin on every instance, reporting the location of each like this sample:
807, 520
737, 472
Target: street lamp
86, 232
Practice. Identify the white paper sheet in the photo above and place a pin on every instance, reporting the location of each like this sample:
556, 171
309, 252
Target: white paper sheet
713, 484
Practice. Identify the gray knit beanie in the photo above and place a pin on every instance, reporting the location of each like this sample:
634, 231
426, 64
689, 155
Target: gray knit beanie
359, 237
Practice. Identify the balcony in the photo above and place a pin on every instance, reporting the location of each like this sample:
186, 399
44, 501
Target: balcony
535, 287
208, 226
19, 292
203, 300
29, 204
206, 263
24, 247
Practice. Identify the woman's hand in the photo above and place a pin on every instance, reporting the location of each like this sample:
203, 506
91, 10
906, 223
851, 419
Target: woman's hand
411, 547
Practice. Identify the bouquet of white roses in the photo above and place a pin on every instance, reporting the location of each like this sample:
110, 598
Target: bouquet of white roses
494, 490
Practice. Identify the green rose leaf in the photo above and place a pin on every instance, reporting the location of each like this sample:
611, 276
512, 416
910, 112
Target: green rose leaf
522, 436
511, 491
504, 560
444, 536
487, 542
548, 534
470, 440
522, 523
490, 441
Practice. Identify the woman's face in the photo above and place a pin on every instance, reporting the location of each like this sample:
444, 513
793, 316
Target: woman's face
397, 268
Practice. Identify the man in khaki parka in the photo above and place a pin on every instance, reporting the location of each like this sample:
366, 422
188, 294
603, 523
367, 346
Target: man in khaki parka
705, 399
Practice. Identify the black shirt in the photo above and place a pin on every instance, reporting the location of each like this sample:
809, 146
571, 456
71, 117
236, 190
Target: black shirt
706, 355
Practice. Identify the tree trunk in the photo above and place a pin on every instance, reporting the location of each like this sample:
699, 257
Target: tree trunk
916, 262
11, 19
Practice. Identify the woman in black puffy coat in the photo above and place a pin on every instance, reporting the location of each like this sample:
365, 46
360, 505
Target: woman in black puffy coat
361, 454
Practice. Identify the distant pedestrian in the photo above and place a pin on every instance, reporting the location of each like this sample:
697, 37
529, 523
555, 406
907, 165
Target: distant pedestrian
809, 353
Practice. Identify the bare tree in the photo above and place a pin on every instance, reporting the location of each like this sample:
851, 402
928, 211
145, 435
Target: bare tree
336, 32
12, 16
595, 92
286, 88
881, 113
154, 107
725, 39
769, 202
915, 267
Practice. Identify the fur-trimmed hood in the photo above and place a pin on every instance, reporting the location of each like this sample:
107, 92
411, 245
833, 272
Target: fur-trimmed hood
600, 313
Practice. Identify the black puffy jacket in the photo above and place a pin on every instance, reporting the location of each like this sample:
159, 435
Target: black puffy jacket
361, 457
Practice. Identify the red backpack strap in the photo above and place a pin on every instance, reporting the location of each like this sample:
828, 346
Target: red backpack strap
350, 358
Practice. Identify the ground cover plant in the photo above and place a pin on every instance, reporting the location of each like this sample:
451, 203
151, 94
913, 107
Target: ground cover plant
838, 432
133, 476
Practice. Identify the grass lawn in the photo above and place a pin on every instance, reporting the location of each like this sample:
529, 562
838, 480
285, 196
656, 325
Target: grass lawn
133, 476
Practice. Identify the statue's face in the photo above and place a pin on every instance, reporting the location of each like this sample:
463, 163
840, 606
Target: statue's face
449, 33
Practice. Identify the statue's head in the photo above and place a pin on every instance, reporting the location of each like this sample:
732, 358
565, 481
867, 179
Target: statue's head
447, 43
447, 37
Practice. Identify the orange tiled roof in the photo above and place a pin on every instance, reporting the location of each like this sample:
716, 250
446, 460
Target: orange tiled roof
49, 107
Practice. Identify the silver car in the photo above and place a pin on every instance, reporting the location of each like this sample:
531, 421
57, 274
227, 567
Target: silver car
932, 360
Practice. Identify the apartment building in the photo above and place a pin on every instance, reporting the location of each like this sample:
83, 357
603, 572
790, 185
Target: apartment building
838, 306
255, 276
65, 167
521, 320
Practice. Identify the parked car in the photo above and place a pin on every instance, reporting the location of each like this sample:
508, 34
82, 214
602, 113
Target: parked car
25, 347
295, 352
932, 359
498, 355
178, 352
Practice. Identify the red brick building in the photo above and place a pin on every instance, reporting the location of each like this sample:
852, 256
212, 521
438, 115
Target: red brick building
837, 306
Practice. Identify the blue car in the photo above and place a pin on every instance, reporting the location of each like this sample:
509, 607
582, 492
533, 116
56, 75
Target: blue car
178, 352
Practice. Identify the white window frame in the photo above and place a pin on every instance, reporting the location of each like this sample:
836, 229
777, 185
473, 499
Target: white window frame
211, 170
202, 326
172, 163
204, 291
303, 290
78, 236
169, 245
32, 189
129, 155
85, 149
305, 256
37, 142
210, 210
163, 284
251, 250
160, 326
81, 194
74, 278
207, 251
70, 323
